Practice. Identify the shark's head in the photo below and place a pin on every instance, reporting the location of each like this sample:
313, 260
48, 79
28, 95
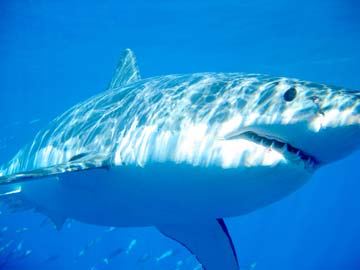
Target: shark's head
309, 121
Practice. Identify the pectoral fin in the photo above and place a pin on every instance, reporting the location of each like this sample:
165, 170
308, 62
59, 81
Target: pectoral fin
79, 162
210, 242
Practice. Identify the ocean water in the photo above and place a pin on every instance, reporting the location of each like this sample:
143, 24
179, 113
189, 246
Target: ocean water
54, 54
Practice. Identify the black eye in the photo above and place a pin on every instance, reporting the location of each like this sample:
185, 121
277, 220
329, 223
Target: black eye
290, 94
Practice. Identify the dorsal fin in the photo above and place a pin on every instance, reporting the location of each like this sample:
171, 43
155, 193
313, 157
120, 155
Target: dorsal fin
126, 71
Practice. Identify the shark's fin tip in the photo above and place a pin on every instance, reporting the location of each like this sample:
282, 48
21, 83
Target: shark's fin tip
126, 71
209, 241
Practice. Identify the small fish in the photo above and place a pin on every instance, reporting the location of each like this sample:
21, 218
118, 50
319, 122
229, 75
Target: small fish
7, 245
26, 254
21, 230
110, 229
19, 246
116, 253
52, 258
93, 242
34, 121
106, 261
81, 253
131, 246
249, 266
252, 266
166, 254
88, 245
179, 264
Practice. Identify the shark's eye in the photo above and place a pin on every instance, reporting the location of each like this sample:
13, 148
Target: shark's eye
290, 94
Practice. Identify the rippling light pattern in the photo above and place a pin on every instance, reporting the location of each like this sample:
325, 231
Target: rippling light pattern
184, 119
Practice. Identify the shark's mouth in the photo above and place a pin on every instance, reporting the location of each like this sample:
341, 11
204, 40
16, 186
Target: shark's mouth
289, 151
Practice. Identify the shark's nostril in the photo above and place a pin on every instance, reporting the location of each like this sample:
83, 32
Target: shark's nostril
317, 102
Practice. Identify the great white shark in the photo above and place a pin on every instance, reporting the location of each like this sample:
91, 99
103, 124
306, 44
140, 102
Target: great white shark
182, 152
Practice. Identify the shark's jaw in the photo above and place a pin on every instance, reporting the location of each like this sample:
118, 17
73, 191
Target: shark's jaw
290, 152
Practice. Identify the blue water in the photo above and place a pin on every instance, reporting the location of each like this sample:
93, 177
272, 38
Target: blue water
54, 54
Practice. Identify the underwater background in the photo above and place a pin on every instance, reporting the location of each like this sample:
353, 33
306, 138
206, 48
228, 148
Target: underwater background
54, 54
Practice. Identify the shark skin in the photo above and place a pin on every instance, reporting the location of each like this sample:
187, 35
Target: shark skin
182, 152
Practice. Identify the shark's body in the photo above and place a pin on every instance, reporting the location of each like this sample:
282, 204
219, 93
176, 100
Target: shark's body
181, 152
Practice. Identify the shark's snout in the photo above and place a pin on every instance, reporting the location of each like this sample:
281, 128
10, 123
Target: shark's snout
321, 122
334, 132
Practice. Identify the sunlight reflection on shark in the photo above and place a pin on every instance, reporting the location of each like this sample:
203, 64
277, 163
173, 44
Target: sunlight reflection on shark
181, 152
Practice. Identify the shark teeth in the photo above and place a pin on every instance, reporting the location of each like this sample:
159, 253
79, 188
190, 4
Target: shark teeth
289, 151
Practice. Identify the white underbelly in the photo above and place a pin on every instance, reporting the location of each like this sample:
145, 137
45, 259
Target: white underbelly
163, 193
